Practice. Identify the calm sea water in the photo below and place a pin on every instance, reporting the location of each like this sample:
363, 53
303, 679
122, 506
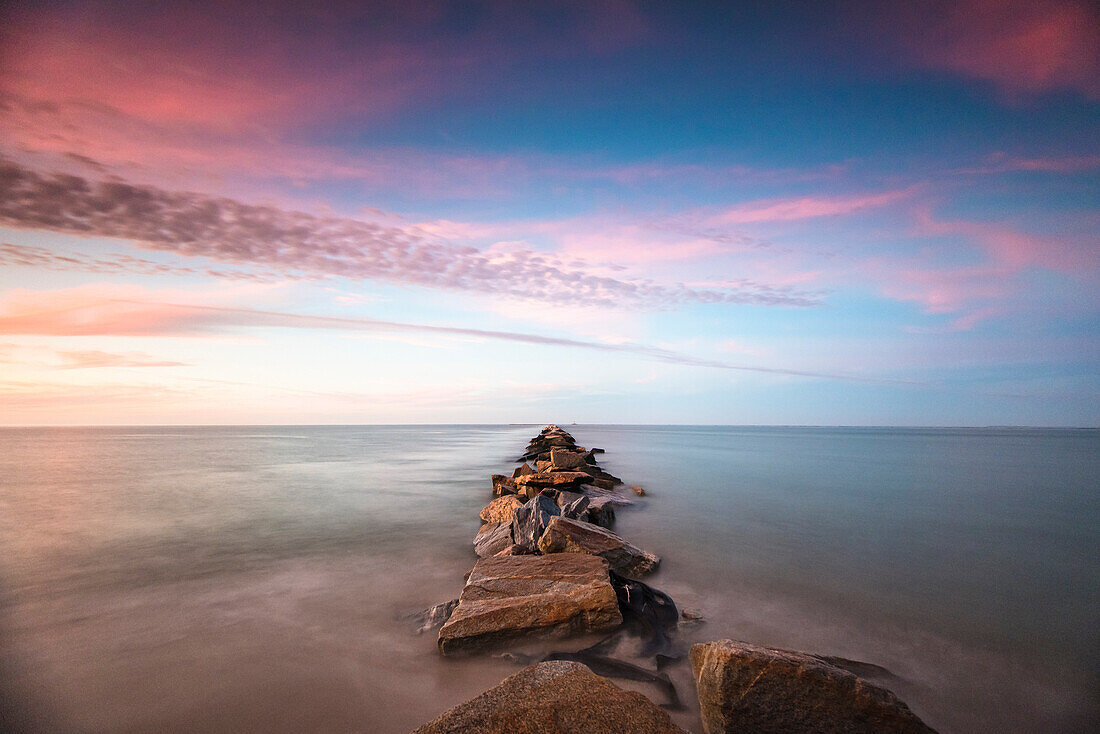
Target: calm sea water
252, 579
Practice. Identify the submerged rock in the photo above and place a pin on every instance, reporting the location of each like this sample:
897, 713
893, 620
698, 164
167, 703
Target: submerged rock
530, 521
557, 697
493, 538
748, 688
563, 535
432, 617
500, 509
508, 597
647, 612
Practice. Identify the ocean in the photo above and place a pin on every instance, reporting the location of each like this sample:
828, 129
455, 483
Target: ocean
226, 579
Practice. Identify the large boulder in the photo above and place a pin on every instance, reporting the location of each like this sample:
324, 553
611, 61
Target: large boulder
530, 520
564, 459
748, 688
563, 535
508, 597
500, 509
493, 538
555, 697
555, 480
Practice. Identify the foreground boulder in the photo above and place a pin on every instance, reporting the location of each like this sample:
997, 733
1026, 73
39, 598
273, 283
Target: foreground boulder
557, 697
508, 597
563, 535
746, 688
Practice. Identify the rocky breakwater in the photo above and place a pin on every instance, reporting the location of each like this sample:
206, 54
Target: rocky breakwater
548, 556
552, 567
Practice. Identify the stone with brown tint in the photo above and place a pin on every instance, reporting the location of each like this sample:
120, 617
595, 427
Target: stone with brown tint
563, 535
563, 459
500, 509
510, 597
557, 479
748, 688
503, 485
522, 470
555, 697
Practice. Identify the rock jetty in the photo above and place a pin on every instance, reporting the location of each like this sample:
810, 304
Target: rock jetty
551, 566
547, 553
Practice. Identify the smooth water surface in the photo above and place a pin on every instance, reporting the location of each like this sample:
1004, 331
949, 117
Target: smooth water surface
221, 579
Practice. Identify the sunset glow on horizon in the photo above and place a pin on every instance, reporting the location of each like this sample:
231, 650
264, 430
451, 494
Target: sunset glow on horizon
605, 212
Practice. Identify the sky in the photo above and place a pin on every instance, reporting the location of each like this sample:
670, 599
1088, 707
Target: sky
853, 213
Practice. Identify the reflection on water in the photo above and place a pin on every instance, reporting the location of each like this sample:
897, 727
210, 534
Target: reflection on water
220, 579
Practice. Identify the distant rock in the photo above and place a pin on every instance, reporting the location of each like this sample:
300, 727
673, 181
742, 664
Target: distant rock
637, 490
530, 521
748, 688
500, 509
508, 597
563, 535
493, 538
555, 697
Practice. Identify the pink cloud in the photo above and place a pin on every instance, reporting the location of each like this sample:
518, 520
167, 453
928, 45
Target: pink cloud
805, 207
1012, 248
1023, 47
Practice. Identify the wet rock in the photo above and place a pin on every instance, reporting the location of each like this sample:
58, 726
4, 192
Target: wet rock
556, 697
637, 490
493, 538
530, 521
508, 597
563, 535
647, 612
744, 687
500, 509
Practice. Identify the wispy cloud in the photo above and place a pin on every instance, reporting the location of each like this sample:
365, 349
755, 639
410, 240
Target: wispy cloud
299, 244
805, 207
151, 318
